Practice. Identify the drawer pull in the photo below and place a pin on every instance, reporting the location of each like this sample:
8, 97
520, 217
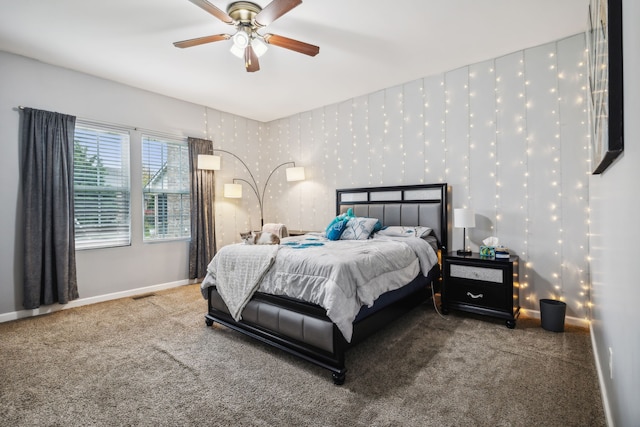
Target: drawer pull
474, 296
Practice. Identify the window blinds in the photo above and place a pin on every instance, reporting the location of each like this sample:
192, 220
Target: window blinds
101, 187
165, 187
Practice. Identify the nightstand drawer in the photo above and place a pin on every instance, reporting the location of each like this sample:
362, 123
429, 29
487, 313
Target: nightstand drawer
486, 296
476, 273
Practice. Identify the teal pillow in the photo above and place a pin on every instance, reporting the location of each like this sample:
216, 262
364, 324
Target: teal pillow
347, 215
335, 229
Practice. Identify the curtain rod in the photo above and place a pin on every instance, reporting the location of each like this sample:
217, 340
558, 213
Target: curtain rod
151, 132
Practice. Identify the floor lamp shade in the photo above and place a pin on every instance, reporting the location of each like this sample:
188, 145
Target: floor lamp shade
295, 173
233, 191
464, 218
208, 162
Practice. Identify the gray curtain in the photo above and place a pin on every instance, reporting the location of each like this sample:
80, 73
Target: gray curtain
47, 194
203, 235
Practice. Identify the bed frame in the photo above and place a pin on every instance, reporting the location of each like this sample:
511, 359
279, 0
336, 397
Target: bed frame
302, 328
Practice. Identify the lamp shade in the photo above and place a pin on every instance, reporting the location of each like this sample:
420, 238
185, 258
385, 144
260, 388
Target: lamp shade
208, 162
239, 52
241, 39
233, 191
464, 218
259, 47
295, 173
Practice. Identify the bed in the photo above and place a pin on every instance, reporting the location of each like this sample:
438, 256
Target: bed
306, 325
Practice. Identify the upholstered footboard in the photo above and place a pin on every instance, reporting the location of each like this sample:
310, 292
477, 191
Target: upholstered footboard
293, 326
305, 331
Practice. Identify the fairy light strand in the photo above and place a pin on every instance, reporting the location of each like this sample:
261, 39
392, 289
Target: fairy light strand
558, 167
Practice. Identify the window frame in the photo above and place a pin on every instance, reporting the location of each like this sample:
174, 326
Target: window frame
184, 193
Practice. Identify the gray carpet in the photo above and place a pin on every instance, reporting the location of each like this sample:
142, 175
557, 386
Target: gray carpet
152, 361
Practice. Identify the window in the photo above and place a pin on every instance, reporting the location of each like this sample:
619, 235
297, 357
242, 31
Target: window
165, 188
101, 187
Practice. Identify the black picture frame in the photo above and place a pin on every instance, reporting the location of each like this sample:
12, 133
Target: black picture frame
605, 82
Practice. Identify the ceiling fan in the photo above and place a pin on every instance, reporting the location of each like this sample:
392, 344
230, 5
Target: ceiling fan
248, 18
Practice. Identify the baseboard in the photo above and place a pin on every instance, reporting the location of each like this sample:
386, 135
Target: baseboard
601, 377
568, 320
15, 315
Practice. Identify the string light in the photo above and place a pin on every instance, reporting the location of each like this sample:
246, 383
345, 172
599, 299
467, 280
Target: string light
403, 164
444, 130
496, 163
553, 67
425, 125
524, 285
354, 142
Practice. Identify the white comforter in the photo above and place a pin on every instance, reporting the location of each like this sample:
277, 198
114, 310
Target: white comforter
342, 276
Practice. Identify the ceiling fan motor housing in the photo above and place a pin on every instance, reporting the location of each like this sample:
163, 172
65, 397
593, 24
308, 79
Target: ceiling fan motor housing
243, 12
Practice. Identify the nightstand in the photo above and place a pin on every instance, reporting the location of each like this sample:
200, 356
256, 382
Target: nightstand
480, 285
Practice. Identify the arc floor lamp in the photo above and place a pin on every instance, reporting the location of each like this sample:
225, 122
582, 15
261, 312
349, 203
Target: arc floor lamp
234, 190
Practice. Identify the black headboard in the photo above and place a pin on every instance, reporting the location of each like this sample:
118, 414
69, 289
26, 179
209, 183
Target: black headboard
407, 205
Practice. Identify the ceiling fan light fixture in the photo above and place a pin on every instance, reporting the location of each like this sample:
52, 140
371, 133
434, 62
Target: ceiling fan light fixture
259, 47
241, 39
237, 51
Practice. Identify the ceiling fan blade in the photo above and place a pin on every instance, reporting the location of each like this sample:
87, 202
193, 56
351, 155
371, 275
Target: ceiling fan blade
204, 4
251, 60
201, 40
291, 44
274, 10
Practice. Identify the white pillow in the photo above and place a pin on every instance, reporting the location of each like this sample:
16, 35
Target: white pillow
399, 231
359, 228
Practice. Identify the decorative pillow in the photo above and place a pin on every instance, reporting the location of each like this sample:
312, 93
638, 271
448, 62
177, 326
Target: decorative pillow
398, 231
336, 228
348, 214
359, 228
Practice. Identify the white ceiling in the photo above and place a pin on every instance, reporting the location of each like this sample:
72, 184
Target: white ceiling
365, 45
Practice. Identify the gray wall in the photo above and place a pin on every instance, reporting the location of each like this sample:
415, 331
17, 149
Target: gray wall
103, 271
615, 203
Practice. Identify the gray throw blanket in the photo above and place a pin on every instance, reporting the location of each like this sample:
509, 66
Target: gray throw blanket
237, 271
